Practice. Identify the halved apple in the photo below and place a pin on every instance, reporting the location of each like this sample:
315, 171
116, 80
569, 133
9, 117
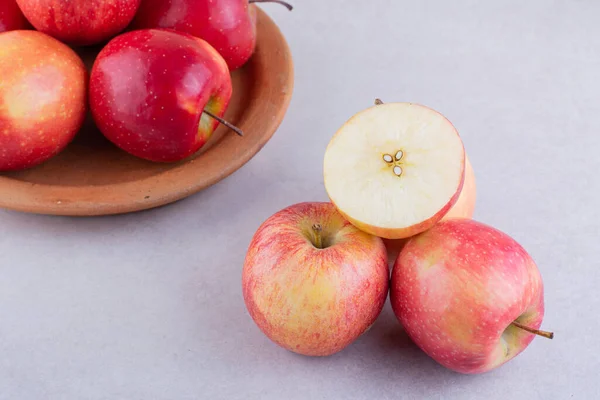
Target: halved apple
396, 169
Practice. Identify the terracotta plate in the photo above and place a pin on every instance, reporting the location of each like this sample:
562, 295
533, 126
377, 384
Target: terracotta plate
93, 177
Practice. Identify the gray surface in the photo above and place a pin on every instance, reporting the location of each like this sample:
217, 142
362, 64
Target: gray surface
149, 306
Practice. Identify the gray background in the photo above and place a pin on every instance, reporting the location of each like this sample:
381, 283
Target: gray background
149, 305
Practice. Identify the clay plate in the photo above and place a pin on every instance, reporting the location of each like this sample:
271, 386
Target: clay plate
92, 177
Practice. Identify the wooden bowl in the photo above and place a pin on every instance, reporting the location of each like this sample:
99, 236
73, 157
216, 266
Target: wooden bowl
93, 177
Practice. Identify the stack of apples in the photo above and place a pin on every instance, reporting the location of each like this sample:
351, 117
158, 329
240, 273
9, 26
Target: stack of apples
317, 274
159, 85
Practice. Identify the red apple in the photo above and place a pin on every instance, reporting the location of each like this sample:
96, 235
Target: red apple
80, 22
11, 17
42, 98
312, 282
466, 293
228, 25
149, 90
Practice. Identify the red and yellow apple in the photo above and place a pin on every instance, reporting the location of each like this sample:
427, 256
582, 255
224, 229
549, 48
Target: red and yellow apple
228, 25
468, 295
312, 282
42, 98
80, 22
149, 90
395, 170
11, 17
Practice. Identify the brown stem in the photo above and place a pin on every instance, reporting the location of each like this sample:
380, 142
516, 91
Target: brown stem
378, 102
283, 3
223, 122
549, 335
317, 229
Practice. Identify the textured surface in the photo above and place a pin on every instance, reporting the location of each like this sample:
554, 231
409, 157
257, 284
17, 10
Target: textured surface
149, 305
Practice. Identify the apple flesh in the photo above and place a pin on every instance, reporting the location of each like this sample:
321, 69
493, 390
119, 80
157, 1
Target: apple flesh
463, 208
42, 98
80, 22
149, 89
11, 17
395, 170
228, 25
312, 282
460, 290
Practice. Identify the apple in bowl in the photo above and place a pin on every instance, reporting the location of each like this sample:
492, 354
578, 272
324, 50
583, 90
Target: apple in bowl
312, 282
228, 25
468, 295
42, 98
159, 94
394, 170
79, 22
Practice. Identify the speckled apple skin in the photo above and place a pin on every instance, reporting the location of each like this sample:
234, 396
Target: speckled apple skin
314, 301
148, 90
228, 25
11, 17
42, 98
458, 286
80, 22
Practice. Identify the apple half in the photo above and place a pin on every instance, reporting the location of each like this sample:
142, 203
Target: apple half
395, 170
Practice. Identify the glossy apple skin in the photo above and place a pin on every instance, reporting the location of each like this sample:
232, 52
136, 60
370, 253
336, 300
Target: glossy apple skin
463, 208
80, 22
148, 90
313, 301
42, 98
457, 288
11, 17
228, 25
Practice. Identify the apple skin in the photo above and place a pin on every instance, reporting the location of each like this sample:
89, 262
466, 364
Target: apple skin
457, 288
11, 17
148, 90
228, 25
463, 208
312, 301
42, 98
80, 22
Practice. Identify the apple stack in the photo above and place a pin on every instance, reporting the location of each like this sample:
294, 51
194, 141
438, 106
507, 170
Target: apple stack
316, 274
158, 88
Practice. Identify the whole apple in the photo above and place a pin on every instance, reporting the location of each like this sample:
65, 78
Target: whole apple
149, 90
42, 98
80, 22
312, 282
11, 17
228, 25
468, 295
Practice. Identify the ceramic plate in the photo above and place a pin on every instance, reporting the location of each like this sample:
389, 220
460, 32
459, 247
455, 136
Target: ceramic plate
93, 177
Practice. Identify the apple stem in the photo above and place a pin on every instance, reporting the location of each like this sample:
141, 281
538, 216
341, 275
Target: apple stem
549, 335
283, 3
227, 124
317, 229
378, 102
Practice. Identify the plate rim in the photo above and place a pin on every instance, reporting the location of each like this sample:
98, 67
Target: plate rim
176, 183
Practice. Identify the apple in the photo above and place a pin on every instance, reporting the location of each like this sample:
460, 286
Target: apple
395, 170
80, 22
465, 205
153, 91
11, 17
468, 295
312, 282
228, 25
42, 98
463, 208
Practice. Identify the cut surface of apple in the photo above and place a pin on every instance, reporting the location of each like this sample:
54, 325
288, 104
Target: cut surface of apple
395, 169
